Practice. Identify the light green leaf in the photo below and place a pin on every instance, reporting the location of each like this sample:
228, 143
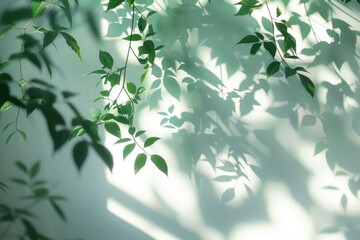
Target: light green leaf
6, 106
128, 149
172, 86
72, 43
37, 7
140, 162
113, 129
160, 163
272, 68
80, 153
150, 141
106, 59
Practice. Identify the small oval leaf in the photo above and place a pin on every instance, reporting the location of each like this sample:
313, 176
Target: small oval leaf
160, 163
128, 149
150, 141
140, 162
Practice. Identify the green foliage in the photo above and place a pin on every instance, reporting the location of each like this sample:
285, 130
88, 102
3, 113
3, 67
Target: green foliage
38, 192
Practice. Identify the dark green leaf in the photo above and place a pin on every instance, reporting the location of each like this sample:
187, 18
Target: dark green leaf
289, 71
19, 181
4, 65
271, 48
160, 163
21, 166
131, 87
67, 12
140, 162
150, 141
7, 126
49, 38
105, 155
278, 12
128, 149
133, 37
72, 43
80, 153
249, 39
272, 68
307, 84
113, 129
67, 94
35, 169
23, 134
255, 48
99, 71
29, 56
113, 4
58, 210
281, 27
141, 24
106, 59
41, 192
259, 35
9, 137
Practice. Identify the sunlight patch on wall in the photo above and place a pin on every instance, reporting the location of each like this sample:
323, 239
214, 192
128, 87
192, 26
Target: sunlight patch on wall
138, 221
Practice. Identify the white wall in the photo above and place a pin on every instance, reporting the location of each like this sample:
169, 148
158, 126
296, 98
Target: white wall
289, 200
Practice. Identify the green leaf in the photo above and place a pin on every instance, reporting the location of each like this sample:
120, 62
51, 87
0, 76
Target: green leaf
37, 7
21, 166
132, 130
278, 12
35, 169
58, 210
141, 24
307, 84
4, 65
344, 201
6, 106
133, 37
122, 140
23, 134
131, 87
271, 48
106, 59
105, 155
150, 141
9, 137
49, 38
113, 129
139, 133
7, 126
72, 43
259, 35
80, 153
19, 181
67, 12
272, 68
128, 149
140, 162
249, 39
173, 87
41, 192
113, 4
99, 71
160, 163
281, 27
255, 48
289, 71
